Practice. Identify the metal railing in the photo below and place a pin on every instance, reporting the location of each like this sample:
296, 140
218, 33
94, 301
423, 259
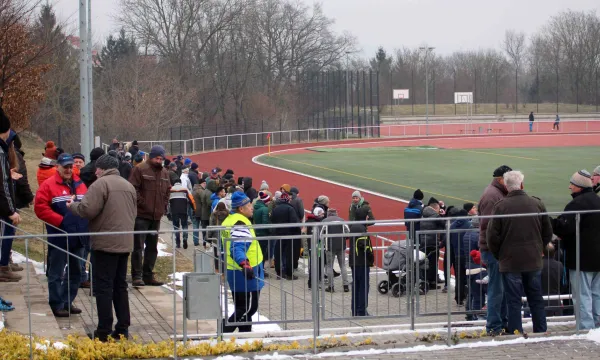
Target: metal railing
407, 129
296, 307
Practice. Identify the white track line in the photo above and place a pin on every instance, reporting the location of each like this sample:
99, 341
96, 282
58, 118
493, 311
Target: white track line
255, 158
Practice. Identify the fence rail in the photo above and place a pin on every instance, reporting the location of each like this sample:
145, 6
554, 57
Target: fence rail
394, 295
480, 127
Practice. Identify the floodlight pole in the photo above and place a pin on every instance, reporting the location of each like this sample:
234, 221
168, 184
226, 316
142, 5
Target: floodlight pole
427, 51
84, 121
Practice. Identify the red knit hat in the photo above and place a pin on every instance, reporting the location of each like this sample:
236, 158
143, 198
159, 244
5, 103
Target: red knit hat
264, 197
50, 150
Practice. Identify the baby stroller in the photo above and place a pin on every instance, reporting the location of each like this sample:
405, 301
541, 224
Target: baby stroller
395, 261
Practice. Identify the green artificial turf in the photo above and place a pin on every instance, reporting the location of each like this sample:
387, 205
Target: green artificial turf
455, 176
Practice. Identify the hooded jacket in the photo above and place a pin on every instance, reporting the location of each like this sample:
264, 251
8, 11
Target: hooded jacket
428, 242
493, 193
214, 200
298, 205
414, 210
361, 211
250, 192
46, 169
261, 217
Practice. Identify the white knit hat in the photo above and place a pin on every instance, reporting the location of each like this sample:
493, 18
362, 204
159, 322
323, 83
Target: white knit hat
582, 179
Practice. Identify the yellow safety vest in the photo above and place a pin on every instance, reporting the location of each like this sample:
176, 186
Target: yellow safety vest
254, 253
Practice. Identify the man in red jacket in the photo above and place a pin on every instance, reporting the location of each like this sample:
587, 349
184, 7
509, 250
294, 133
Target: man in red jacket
51, 207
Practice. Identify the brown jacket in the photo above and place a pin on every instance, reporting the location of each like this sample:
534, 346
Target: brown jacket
153, 190
493, 193
110, 206
518, 242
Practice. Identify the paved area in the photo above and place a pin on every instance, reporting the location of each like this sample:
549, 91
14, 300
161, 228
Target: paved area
151, 312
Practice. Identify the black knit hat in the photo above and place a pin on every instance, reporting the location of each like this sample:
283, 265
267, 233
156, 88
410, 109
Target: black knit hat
418, 194
468, 206
432, 200
96, 153
501, 170
106, 162
4, 122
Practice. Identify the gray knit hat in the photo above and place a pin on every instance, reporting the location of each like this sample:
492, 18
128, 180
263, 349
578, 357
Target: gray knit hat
106, 162
582, 179
323, 200
357, 194
597, 170
264, 186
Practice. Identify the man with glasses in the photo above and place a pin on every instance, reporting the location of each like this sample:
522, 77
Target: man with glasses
51, 207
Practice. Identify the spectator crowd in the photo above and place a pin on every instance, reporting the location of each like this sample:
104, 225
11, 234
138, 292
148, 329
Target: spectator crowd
496, 261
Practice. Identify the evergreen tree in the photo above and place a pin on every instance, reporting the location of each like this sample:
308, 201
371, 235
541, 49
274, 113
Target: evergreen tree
381, 62
117, 48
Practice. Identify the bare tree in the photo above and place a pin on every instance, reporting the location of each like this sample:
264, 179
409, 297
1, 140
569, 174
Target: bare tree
515, 47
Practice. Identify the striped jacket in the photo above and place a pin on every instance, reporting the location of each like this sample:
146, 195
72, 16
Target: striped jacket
51, 207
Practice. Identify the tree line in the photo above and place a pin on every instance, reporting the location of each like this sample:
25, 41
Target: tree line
249, 65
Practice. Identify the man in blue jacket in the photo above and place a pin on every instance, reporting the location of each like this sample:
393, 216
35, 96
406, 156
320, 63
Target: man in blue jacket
245, 272
414, 210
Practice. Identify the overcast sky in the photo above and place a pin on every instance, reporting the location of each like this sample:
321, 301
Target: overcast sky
448, 25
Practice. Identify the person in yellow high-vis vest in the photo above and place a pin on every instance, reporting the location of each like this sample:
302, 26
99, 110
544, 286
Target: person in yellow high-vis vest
245, 272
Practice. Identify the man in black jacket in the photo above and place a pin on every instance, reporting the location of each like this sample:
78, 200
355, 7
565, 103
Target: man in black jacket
283, 214
194, 175
88, 172
250, 192
8, 208
360, 261
588, 281
431, 243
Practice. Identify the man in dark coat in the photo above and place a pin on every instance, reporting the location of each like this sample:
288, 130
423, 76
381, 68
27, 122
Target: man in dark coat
194, 175
360, 261
134, 149
88, 172
23, 194
283, 214
430, 243
565, 226
496, 303
518, 243
250, 192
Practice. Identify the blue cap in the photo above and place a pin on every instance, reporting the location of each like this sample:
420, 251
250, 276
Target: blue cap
239, 199
65, 159
187, 161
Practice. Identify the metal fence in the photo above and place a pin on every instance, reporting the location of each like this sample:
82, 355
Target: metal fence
481, 126
403, 295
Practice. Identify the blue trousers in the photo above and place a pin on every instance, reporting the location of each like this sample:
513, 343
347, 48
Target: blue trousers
514, 285
530, 126
62, 292
588, 286
497, 312
86, 252
360, 290
180, 222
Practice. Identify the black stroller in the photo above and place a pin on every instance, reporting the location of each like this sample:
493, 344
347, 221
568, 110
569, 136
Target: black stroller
395, 261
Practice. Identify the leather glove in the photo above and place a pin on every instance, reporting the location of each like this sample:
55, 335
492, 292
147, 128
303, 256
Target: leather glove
247, 270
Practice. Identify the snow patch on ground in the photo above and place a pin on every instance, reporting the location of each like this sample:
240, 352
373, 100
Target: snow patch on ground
161, 249
274, 356
20, 258
45, 344
593, 335
230, 307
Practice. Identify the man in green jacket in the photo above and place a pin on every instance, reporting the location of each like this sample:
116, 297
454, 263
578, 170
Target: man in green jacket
360, 209
262, 216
